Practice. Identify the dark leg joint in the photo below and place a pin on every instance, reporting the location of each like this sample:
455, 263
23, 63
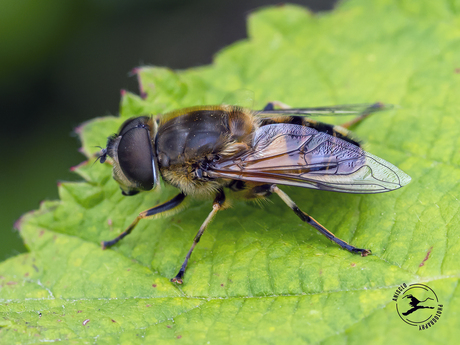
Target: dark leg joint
220, 198
269, 107
305, 217
166, 206
237, 185
179, 277
263, 190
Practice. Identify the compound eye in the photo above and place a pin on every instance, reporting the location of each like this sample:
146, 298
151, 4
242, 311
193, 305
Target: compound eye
136, 158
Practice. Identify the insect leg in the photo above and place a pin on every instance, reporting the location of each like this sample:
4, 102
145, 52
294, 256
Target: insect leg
216, 206
336, 131
168, 205
306, 218
368, 111
271, 106
260, 191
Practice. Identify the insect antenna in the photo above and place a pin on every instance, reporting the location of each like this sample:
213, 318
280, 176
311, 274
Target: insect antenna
102, 155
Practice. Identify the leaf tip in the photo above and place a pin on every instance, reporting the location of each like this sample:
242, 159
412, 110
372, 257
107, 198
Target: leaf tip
18, 223
78, 166
135, 71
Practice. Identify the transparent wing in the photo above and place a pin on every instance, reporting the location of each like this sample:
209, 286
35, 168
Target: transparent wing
349, 109
300, 156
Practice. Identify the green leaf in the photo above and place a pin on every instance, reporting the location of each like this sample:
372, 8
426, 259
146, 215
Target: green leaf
259, 275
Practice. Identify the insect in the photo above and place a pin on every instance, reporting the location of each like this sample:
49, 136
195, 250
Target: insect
206, 150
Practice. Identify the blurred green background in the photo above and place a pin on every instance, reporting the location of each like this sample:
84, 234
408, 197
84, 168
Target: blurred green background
64, 62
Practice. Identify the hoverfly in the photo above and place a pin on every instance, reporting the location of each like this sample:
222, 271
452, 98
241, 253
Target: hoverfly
205, 149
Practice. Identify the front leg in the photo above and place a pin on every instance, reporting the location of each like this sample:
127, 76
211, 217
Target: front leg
216, 206
169, 205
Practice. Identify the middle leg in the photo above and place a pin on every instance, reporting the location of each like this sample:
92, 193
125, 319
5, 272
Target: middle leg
169, 205
216, 206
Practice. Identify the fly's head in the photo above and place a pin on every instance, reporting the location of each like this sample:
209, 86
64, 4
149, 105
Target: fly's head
135, 166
